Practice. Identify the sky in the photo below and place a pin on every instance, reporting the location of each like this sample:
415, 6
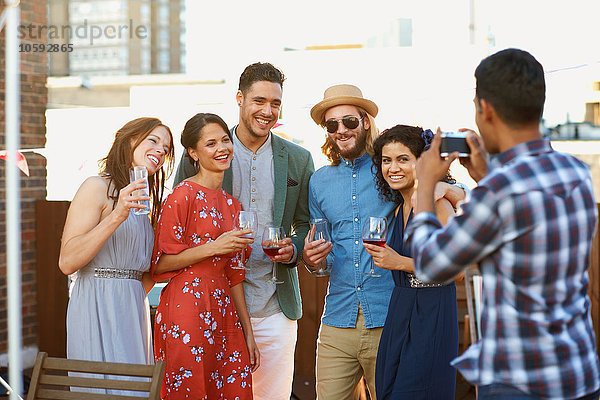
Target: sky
562, 35
436, 73
557, 31
430, 84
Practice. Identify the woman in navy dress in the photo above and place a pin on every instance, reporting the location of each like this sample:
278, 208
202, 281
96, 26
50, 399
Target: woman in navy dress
420, 335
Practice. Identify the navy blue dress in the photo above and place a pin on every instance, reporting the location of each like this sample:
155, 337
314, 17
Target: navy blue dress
419, 338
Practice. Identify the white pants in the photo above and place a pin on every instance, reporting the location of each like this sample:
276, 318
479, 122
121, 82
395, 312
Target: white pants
276, 339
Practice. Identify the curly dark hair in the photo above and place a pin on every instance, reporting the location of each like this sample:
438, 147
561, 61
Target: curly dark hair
411, 137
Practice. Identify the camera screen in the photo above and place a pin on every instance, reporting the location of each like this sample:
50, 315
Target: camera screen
454, 144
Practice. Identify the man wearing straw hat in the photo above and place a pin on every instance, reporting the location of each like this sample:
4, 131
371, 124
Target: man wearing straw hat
345, 194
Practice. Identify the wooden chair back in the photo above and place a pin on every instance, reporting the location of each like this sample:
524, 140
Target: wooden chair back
50, 379
473, 289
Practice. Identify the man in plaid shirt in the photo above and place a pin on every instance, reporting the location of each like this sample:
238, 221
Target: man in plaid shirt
529, 225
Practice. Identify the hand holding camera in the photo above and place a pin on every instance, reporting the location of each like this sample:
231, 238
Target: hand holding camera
477, 162
471, 151
454, 142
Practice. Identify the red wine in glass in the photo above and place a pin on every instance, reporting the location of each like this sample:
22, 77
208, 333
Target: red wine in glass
272, 241
271, 251
374, 232
376, 242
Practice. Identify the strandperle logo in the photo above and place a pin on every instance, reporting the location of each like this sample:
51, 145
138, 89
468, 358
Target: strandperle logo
85, 31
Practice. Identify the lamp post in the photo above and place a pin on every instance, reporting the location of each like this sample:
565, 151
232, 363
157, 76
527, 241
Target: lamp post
13, 196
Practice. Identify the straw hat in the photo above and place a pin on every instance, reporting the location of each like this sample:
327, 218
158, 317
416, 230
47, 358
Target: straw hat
338, 95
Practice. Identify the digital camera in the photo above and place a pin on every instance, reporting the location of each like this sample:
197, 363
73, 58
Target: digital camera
454, 142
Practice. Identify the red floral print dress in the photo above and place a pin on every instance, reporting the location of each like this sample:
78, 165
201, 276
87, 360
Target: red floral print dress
197, 331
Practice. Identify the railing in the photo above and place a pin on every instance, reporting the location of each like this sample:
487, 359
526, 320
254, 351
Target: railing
52, 298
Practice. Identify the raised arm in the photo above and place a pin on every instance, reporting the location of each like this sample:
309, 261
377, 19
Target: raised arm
452, 193
90, 222
228, 242
387, 258
172, 247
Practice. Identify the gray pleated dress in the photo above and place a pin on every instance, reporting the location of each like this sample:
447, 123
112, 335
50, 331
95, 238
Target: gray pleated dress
108, 317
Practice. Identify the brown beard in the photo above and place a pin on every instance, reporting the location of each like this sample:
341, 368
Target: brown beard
356, 151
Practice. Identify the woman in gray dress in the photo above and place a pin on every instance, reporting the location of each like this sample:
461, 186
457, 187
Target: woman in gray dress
106, 248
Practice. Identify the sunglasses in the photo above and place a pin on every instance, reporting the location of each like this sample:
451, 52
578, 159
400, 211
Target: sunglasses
349, 122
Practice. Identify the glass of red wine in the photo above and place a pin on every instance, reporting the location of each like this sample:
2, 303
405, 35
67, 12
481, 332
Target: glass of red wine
374, 232
272, 241
244, 220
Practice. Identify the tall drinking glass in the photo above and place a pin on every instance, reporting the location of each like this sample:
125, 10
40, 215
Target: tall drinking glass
245, 220
319, 229
136, 173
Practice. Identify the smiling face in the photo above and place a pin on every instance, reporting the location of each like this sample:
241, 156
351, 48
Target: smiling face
152, 150
259, 110
397, 166
349, 143
214, 149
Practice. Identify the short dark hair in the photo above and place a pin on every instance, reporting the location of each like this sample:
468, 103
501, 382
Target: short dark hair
258, 72
512, 81
192, 131
411, 137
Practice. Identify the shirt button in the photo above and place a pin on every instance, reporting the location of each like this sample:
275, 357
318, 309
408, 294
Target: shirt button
356, 242
353, 197
253, 200
354, 175
358, 288
253, 168
254, 158
356, 219
356, 265
253, 178
253, 190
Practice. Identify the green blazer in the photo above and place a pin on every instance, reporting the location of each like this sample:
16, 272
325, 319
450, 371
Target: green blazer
293, 166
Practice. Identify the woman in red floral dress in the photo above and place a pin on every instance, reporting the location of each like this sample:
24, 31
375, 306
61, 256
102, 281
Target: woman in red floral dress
202, 328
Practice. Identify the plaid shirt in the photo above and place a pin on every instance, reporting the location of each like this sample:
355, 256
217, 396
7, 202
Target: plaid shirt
529, 225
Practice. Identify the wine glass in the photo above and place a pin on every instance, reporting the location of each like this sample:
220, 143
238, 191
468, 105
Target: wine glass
245, 220
319, 229
272, 241
374, 232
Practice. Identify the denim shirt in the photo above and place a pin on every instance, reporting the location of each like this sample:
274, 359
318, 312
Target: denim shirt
346, 195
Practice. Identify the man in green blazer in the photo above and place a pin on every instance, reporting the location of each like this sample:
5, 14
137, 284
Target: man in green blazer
270, 175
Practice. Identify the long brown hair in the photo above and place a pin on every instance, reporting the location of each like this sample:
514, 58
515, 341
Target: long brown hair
115, 166
329, 149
